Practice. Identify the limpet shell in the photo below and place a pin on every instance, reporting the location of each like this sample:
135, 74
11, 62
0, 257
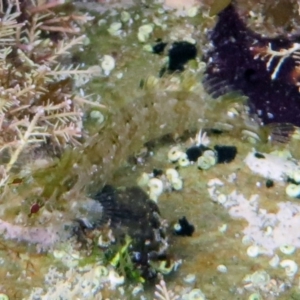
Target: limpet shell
287, 249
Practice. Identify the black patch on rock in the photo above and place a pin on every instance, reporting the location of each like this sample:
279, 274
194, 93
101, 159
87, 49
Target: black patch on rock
259, 155
269, 183
186, 228
159, 47
179, 54
157, 172
225, 154
194, 152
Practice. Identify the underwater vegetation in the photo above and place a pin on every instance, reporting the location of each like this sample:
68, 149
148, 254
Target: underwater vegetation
39, 110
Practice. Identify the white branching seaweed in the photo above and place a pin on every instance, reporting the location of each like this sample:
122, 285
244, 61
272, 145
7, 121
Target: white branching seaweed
162, 293
37, 100
268, 54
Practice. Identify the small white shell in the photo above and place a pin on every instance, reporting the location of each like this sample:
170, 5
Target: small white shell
148, 48
190, 278
183, 160
3, 297
215, 182
174, 154
97, 115
222, 198
125, 16
59, 254
223, 228
293, 190
177, 227
100, 271
156, 188
75, 255
247, 240
259, 278
291, 268
144, 32
269, 231
171, 174
192, 11
222, 269
177, 184
253, 251
210, 153
147, 28
274, 261
115, 28
287, 249
206, 162
103, 242
142, 36
108, 64
255, 296
115, 279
